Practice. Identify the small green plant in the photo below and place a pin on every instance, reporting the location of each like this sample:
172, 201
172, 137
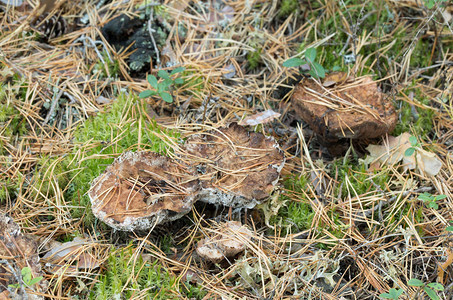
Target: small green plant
430, 288
27, 278
316, 69
431, 3
392, 294
450, 227
163, 87
414, 146
430, 200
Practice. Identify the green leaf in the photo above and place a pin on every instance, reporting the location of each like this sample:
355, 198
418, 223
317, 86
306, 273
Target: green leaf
336, 68
431, 293
392, 294
425, 197
449, 228
26, 274
386, 296
14, 286
413, 140
166, 83
152, 80
415, 282
433, 204
146, 94
409, 151
436, 286
310, 54
163, 74
440, 197
293, 62
319, 70
34, 281
166, 97
177, 70
430, 4
179, 81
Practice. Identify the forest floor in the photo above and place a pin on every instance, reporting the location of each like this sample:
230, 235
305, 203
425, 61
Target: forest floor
363, 215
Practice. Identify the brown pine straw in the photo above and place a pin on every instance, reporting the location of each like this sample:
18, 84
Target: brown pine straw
379, 230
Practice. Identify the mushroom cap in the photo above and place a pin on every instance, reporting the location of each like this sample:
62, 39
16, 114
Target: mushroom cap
344, 109
236, 168
142, 189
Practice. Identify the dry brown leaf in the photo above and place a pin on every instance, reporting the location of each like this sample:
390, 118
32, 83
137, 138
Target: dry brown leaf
70, 251
393, 151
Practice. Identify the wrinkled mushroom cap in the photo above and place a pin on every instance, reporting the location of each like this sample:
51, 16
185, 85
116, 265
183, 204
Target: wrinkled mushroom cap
237, 168
230, 240
141, 189
346, 108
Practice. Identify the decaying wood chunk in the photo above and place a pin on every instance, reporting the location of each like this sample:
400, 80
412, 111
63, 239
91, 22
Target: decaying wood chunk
344, 108
142, 189
237, 168
230, 240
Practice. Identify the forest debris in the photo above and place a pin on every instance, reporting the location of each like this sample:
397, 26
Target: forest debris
140, 190
237, 168
393, 151
230, 240
339, 108
78, 251
260, 118
18, 251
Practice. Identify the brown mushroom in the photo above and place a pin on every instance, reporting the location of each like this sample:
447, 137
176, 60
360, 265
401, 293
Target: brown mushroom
230, 240
142, 189
237, 168
343, 107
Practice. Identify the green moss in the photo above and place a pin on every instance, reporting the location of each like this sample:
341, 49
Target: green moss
417, 120
100, 139
50, 174
109, 69
287, 7
127, 278
254, 59
357, 180
375, 26
294, 216
11, 121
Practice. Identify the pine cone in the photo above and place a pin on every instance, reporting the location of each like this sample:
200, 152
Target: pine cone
52, 27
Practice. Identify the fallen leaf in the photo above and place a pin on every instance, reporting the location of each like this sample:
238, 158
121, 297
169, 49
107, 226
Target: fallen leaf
260, 118
76, 250
393, 151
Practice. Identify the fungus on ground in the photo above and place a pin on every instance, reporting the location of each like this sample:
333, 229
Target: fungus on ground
142, 189
231, 239
236, 168
344, 107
